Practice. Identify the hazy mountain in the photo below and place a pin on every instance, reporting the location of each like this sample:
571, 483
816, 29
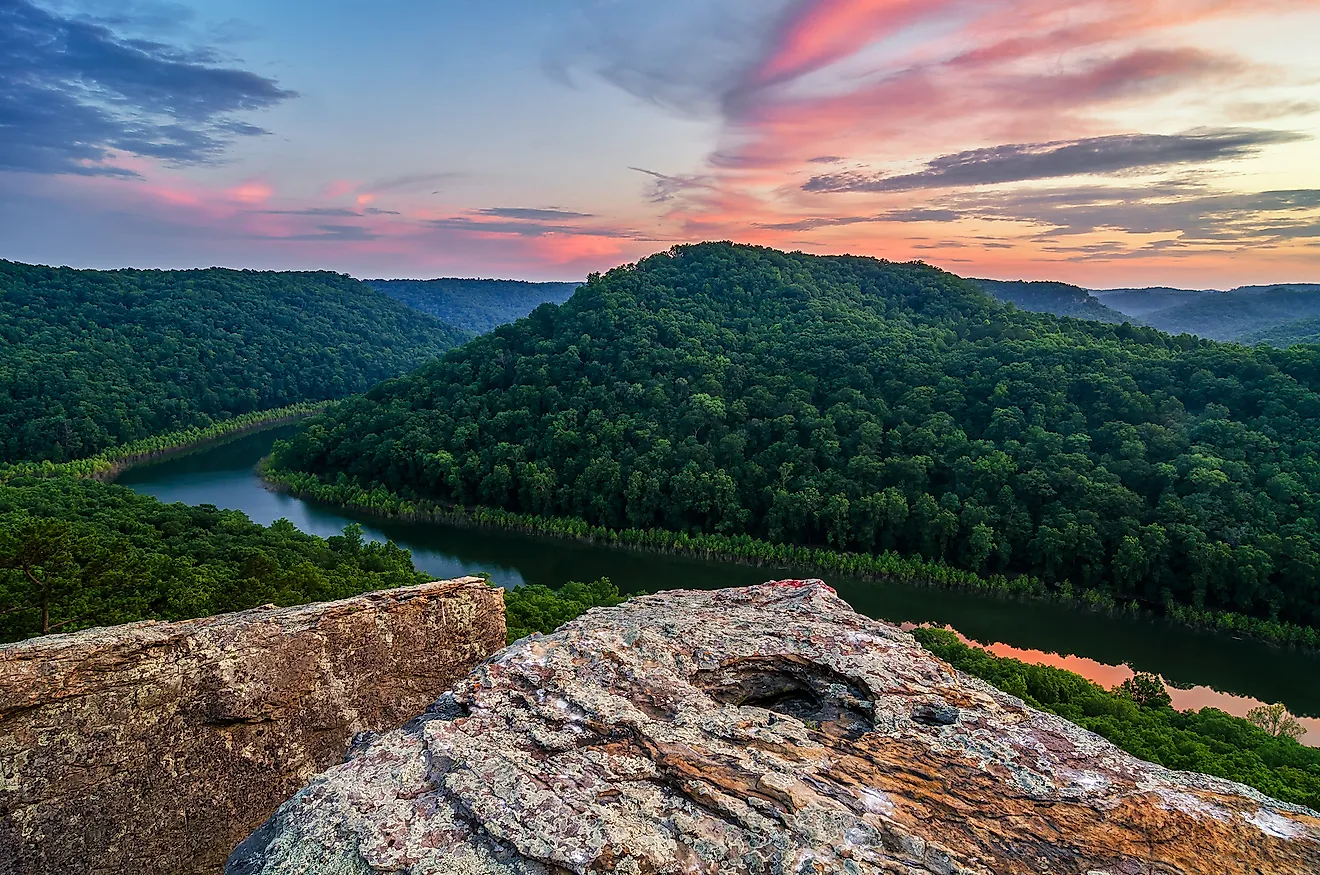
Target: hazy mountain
475, 305
1242, 311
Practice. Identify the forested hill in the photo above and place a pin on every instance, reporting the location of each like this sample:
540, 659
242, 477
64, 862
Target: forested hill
1240, 313
870, 405
1061, 299
90, 359
474, 305
1297, 331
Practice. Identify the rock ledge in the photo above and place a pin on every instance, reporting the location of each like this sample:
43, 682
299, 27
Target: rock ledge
155, 748
761, 730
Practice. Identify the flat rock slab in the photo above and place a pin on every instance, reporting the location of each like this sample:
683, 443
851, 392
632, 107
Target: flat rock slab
155, 748
768, 729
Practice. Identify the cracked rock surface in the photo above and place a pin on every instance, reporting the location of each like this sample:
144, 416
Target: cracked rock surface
767, 729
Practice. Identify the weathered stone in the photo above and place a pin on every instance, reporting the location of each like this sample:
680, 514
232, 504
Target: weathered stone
157, 747
760, 730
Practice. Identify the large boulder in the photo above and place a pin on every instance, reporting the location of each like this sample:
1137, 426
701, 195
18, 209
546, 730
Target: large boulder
155, 748
761, 730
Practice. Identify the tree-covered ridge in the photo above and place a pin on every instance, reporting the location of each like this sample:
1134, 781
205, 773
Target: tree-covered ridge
78, 553
1285, 335
91, 359
1243, 311
475, 305
1061, 299
869, 406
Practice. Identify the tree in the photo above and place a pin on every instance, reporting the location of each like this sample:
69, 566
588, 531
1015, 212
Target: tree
41, 551
1276, 720
1145, 689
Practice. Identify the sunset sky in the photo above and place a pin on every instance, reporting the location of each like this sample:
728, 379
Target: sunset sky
1102, 142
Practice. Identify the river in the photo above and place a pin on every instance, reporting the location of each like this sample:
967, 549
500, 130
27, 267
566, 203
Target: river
1202, 668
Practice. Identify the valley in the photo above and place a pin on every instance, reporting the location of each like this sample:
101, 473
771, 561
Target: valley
1204, 669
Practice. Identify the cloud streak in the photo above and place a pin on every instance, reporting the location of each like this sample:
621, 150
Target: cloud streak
1090, 156
73, 92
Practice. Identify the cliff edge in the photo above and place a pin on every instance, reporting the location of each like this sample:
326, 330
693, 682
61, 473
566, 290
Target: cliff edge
768, 729
157, 747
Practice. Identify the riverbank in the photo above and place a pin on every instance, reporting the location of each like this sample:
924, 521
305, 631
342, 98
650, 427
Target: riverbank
745, 550
108, 465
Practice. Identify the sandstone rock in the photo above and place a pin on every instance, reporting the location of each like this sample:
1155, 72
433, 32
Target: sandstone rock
761, 730
156, 747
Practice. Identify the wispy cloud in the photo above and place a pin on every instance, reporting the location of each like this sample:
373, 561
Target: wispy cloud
1030, 161
335, 233
532, 214
73, 91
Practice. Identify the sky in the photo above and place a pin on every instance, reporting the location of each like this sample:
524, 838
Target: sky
1102, 142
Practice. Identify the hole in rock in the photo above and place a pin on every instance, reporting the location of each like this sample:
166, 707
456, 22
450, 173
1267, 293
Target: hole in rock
814, 694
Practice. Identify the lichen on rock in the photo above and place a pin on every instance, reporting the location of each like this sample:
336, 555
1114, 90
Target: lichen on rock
766, 729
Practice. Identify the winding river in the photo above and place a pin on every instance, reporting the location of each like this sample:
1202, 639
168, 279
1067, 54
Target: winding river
1204, 669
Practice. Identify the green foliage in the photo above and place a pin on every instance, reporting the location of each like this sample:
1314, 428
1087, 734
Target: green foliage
110, 463
1276, 720
1207, 741
80, 553
536, 608
92, 359
1287, 334
1061, 299
471, 305
1145, 690
857, 406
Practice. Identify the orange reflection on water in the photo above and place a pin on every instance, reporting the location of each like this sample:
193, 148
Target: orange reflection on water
1110, 676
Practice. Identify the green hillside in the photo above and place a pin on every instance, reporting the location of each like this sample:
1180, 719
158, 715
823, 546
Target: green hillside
472, 305
91, 359
869, 405
1239, 313
1285, 335
1061, 299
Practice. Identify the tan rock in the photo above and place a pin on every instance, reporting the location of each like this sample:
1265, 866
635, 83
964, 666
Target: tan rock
761, 730
156, 747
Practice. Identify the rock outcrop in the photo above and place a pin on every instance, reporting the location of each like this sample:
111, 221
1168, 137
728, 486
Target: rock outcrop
157, 747
761, 730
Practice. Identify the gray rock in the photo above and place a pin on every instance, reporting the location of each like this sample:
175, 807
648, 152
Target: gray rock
761, 730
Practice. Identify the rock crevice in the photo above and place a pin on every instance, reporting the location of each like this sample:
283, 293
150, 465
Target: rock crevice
761, 730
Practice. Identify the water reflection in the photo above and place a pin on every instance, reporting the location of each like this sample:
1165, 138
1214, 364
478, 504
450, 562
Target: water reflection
1227, 673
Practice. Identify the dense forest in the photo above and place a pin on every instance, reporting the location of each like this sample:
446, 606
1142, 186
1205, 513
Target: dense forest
78, 553
471, 305
1061, 299
869, 406
1285, 335
91, 359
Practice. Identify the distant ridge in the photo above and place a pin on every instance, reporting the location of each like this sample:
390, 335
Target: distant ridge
475, 305
1061, 299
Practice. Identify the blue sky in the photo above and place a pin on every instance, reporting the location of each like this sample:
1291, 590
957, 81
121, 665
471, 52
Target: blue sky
1107, 142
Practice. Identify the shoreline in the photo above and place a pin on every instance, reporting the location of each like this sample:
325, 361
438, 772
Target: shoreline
112, 463
748, 551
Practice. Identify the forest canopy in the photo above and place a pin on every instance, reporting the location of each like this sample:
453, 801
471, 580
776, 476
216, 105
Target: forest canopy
78, 553
868, 405
91, 359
